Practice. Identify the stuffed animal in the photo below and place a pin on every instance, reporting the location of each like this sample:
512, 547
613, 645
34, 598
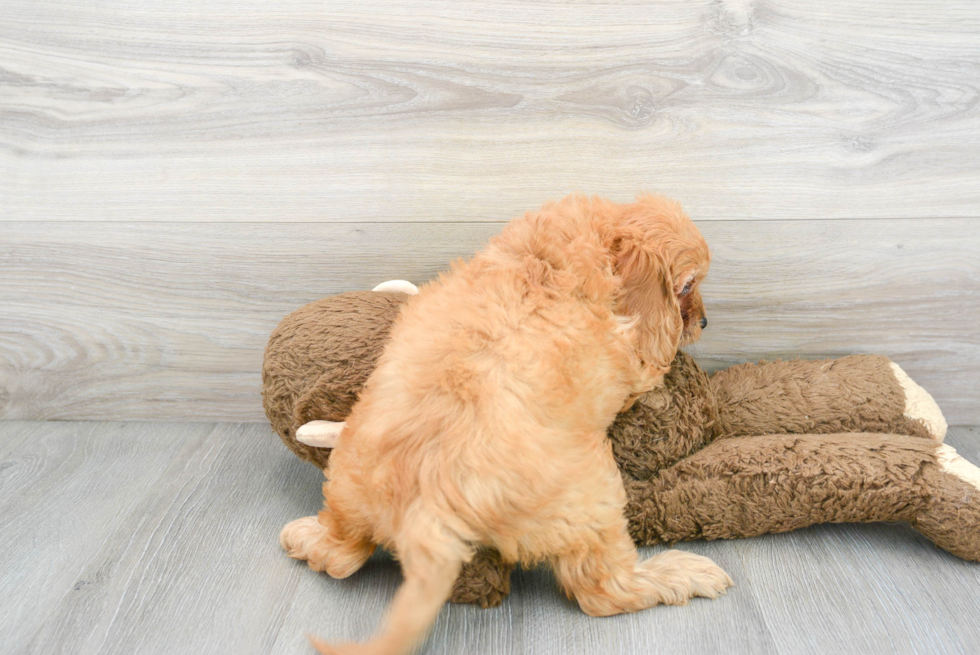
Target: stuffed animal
753, 449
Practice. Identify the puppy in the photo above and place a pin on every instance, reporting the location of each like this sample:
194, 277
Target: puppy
485, 420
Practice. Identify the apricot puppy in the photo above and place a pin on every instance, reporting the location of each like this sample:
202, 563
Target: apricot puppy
485, 420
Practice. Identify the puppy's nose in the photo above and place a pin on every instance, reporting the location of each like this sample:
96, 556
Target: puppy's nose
704, 322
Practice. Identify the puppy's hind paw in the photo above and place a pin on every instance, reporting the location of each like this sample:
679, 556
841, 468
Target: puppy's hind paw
300, 535
307, 539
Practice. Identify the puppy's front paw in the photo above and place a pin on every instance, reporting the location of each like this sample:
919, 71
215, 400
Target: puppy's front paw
708, 580
685, 575
298, 537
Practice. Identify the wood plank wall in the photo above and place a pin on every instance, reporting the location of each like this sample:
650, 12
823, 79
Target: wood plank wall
175, 178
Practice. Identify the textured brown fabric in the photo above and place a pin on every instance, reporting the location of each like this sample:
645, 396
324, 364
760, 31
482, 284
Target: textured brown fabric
694, 454
666, 424
952, 515
485, 581
319, 358
756, 485
858, 393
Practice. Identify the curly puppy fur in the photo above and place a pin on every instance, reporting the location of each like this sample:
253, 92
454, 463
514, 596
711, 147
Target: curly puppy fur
484, 423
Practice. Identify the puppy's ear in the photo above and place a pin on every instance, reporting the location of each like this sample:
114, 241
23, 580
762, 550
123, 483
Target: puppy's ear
646, 296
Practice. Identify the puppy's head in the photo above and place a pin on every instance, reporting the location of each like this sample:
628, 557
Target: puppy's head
660, 258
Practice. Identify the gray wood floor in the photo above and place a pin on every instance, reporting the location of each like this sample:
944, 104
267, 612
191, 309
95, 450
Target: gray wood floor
162, 537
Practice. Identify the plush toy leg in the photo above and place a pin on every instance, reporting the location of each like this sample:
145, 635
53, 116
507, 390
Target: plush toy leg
951, 520
484, 581
756, 485
859, 393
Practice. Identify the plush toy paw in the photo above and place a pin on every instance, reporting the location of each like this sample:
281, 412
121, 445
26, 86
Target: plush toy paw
320, 434
952, 463
398, 285
919, 405
951, 515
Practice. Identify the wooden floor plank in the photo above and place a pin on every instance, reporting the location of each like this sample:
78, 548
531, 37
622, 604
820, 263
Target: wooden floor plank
357, 111
196, 566
66, 492
169, 321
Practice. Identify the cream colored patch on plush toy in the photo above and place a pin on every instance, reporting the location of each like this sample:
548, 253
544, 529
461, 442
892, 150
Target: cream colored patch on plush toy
398, 285
920, 405
320, 434
951, 462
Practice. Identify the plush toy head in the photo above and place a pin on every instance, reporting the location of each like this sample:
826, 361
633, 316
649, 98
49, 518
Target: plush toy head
319, 358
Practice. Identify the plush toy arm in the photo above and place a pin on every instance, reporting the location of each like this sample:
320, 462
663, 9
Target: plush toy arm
757, 485
859, 393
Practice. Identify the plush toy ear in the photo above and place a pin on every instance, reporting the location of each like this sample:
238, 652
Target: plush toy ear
320, 434
397, 285
646, 298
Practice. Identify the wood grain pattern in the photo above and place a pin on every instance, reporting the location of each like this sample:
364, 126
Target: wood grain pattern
197, 560
68, 492
360, 111
169, 321
158, 538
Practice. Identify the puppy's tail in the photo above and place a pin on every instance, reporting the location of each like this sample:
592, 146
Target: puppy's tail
431, 558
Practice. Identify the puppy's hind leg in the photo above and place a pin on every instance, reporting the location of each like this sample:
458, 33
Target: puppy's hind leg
430, 564
325, 545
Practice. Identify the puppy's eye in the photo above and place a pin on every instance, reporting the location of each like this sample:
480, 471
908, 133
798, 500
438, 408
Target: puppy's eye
686, 290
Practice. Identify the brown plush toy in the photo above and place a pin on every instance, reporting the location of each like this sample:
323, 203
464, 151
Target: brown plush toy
753, 449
